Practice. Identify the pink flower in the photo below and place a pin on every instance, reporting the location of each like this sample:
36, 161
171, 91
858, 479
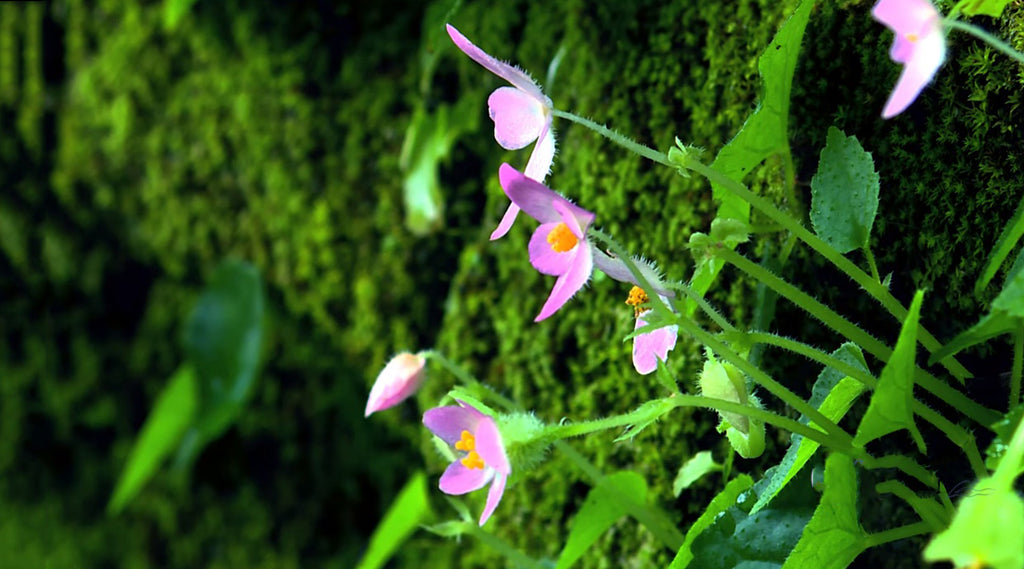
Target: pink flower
476, 435
399, 379
919, 45
650, 347
559, 247
521, 115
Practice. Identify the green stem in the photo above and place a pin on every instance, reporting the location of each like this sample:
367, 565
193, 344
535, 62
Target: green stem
704, 305
1018, 366
518, 558
958, 435
665, 310
468, 379
615, 137
871, 263
873, 287
903, 532
934, 517
906, 464
856, 335
986, 37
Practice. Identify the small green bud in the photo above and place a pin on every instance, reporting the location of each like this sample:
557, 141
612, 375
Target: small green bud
524, 437
722, 380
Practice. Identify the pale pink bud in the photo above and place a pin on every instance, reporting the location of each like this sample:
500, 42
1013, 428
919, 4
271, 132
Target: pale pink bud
398, 380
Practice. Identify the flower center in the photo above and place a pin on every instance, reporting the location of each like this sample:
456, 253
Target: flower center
636, 298
468, 444
912, 38
562, 239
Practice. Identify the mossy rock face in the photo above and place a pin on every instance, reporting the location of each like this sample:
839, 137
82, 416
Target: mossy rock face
142, 156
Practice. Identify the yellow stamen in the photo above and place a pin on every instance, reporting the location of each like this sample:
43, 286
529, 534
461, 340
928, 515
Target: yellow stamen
912, 38
562, 239
472, 461
636, 298
467, 443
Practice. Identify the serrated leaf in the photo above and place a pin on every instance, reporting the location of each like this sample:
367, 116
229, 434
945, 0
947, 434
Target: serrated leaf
833, 538
992, 8
1006, 315
222, 340
833, 394
410, 508
692, 470
613, 497
172, 413
764, 134
844, 193
890, 407
725, 499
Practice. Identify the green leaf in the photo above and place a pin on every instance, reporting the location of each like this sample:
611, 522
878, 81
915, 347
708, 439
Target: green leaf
764, 134
833, 538
844, 193
410, 508
174, 11
833, 394
987, 530
889, 409
698, 465
1006, 315
222, 339
1004, 429
992, 8
722, 502
173, 411
759, 540
1008, 239
614, 496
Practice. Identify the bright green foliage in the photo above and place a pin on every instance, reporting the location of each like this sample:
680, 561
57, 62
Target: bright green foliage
720, 503
1005, 316
992, 8
410, 509
693, 469
174, 11
765, 133
833, 394
1008, 239
889, 409
1004, 430
608, 501
844, 193
833, 538
172, 413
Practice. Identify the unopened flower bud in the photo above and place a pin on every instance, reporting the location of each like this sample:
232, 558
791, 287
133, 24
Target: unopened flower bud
399, 379
722, 380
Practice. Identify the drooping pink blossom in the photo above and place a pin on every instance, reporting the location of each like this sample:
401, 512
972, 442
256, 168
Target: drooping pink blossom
483, 460
559, 247
399, 379
920, 46
648, 348
521, 115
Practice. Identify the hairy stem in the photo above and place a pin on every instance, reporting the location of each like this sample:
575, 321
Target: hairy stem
615, 137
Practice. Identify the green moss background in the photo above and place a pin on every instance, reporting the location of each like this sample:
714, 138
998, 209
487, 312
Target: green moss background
133, 158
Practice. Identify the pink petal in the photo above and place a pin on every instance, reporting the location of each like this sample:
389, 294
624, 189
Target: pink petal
570, 282
507, 72
493, 497
489, 446
519, 119
538, 201
544, 258
929, 53
506, 222
399, 379
458, 480
449, 422
543, 155
906, 16
650, 347
617, 269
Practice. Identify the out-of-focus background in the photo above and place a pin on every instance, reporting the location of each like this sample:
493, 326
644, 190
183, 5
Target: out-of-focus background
343, 150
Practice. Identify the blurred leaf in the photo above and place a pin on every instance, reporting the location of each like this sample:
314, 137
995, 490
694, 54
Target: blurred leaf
174, 11
832, 394
844, 193
1008, 239
174, 410
608, 501
992, 8
720, 503
1006, 315
987, 530
1004, 430
764, 134
410, 508
889, 409
833, 538
698, 465
222, 340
